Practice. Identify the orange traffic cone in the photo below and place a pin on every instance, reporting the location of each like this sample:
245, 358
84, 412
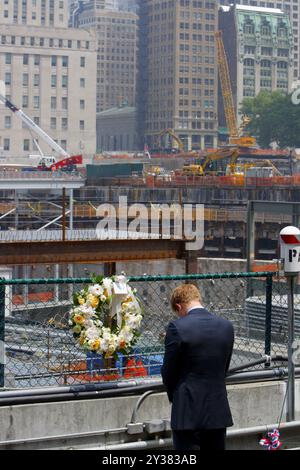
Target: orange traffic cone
130, 368
141, 371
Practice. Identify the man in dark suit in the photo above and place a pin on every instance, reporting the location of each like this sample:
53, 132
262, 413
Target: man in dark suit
198, 349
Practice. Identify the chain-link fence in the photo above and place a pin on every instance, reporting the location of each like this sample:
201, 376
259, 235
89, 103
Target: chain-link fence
40, 349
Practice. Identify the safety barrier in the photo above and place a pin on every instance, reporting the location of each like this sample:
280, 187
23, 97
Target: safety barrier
41, 351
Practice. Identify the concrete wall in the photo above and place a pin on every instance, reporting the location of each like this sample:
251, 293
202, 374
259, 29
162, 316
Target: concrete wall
251, 404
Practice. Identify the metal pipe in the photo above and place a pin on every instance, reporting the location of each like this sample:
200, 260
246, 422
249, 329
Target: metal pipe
138, 445
138, 404
77, 394
264, 360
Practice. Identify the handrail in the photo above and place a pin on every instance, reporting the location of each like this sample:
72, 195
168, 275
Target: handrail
144, 278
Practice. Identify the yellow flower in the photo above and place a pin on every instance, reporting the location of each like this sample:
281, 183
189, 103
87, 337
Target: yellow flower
79, 319
93, 300
81, 340
81, 300
95, 345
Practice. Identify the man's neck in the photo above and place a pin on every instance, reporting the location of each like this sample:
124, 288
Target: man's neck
194, 305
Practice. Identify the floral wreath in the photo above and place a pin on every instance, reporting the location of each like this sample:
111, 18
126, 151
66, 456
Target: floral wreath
106, 316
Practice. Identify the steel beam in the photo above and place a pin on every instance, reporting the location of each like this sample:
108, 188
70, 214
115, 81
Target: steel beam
99, 251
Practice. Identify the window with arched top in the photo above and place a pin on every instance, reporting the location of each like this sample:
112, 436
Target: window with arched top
248, 27
282, 65
265, 29
282, 31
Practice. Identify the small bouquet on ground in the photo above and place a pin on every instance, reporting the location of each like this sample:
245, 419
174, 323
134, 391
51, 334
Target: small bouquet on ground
106, 316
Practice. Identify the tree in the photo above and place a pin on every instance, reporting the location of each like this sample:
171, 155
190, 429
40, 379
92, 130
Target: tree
274, 118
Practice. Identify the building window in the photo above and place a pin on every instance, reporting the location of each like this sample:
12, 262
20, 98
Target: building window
53, 102
81, 125
36, 60
25, 79
36, 80
53, 81
25, 59
7, 78
64, 81
64, 124
7, 122
82, 82
53, 61
25, 101
65, 61
265, 30
36, 102
64, 103
82, 104
8, 59
6, 144
82, 61
249, 28
53, 123
26, 145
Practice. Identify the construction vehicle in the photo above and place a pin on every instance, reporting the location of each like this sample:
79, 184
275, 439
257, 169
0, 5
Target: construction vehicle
235, 133
173, 136
256, 169
210, 157
44, 162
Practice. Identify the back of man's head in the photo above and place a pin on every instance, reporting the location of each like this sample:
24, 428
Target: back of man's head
184, 295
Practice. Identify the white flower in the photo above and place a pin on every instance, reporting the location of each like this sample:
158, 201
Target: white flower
92, 333
108, 284
102, 298
96, 290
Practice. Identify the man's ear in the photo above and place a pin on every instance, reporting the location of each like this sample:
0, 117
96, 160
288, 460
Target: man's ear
178, 308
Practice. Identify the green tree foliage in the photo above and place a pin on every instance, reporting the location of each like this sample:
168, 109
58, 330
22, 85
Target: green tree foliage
274, 118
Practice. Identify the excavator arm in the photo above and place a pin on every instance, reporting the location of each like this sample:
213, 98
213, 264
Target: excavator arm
231, 153
172, 134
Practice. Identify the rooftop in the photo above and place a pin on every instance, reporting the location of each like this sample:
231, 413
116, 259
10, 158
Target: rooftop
259, 9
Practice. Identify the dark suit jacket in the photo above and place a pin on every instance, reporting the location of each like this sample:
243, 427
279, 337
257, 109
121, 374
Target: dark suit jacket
198, 350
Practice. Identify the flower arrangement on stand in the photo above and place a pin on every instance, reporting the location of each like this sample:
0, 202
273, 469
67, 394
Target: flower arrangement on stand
105, 319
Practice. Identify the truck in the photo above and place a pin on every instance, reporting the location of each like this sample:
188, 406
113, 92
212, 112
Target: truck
47, 163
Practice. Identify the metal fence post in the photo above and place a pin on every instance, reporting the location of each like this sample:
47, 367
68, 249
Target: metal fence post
291, 365
2, 334
268, 322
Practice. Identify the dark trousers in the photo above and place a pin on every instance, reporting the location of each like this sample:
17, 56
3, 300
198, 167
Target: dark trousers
204, 439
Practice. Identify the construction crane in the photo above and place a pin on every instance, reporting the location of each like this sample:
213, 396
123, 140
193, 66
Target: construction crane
173, 136
45, 162
235, 133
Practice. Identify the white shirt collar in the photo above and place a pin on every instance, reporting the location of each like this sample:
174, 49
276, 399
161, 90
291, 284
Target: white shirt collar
194, 308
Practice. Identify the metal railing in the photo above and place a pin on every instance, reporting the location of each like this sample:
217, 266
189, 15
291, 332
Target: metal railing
40, 350
39, 175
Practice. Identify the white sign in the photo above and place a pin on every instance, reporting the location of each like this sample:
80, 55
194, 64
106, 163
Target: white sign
290, 249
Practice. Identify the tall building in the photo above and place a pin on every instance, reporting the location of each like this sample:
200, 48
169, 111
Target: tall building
259, 46
49, 13
292, 8
49, 71
116, 36
178, 82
